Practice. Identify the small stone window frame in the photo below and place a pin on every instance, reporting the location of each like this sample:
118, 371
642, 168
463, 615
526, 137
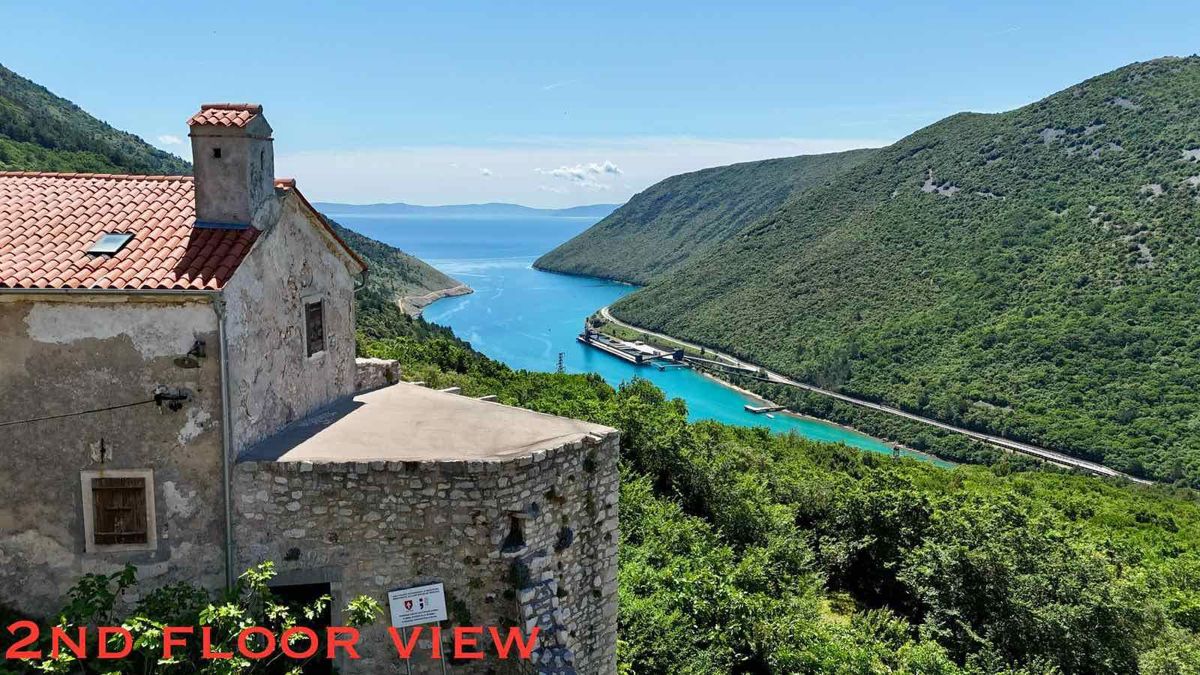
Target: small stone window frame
88, 480
314, 328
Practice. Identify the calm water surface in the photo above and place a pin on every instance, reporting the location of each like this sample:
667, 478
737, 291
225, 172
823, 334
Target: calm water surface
525, 317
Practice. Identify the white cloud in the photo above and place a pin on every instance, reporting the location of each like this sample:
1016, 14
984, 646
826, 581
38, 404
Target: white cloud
424, 175
569, 172
168, 139
583, 173
555, 85
485, 171
595, 186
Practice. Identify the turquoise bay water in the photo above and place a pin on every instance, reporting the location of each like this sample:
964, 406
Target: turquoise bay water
525, 317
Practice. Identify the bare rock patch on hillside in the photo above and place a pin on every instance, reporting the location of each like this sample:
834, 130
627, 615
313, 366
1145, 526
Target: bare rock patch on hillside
1107, 147
1138, 250
1050, 134
945, 189
1144, 257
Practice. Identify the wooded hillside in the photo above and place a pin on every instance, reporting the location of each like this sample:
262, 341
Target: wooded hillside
686, 215
1034, 273
43, 132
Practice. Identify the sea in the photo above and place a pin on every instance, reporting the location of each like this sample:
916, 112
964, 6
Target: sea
529, 319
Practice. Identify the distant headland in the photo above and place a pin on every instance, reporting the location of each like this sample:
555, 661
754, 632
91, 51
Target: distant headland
465, 210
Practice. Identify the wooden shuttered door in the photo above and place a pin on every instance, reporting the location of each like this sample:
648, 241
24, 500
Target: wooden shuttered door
314, 327
119, 511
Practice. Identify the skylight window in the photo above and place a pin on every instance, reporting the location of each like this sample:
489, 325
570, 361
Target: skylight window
110, 243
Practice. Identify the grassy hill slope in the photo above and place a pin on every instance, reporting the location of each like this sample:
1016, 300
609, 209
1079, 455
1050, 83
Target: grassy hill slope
1034, 273
43, 132
688, 214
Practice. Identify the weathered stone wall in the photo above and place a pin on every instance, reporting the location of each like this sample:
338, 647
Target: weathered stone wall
60, 356
375, 373
371, 527
274, 381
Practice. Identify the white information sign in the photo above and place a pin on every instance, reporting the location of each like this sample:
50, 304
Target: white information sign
417, 605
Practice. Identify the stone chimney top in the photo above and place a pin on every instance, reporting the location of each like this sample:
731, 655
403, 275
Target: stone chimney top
233, 160
225, 114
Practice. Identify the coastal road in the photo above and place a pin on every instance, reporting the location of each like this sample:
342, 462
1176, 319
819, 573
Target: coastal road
995, 441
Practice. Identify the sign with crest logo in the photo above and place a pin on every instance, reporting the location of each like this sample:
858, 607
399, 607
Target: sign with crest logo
417, 605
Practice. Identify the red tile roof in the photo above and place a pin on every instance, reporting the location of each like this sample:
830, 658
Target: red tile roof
48, 221
225, 114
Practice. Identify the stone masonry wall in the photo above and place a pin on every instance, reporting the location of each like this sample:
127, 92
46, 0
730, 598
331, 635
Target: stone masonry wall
367, 528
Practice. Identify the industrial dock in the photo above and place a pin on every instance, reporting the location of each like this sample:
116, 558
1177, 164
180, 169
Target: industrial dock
637, 353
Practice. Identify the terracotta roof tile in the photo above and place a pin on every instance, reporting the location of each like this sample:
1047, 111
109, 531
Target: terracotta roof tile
48, 221
225, 114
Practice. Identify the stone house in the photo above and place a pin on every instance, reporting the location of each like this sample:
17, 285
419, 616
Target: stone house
178, 390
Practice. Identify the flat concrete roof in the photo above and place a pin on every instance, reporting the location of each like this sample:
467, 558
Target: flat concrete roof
408, 422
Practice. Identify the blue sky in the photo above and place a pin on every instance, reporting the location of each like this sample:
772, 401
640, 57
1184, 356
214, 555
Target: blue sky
564, 103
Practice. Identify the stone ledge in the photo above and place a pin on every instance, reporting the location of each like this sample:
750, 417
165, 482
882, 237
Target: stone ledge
375, 373
569, 451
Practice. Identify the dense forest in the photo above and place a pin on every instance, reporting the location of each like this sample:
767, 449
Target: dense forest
746, 552
42, 132
686, 215
1034, 273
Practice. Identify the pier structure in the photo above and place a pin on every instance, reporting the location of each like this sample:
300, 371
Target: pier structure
760, 409
637, 353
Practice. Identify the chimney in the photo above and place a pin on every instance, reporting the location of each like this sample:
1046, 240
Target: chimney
234, 165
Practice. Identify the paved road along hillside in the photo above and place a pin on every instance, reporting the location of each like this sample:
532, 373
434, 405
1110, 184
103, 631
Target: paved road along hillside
996, 441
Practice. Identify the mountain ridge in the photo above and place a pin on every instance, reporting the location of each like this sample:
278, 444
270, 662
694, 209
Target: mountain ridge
40, 131
1028, 273
680, 217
